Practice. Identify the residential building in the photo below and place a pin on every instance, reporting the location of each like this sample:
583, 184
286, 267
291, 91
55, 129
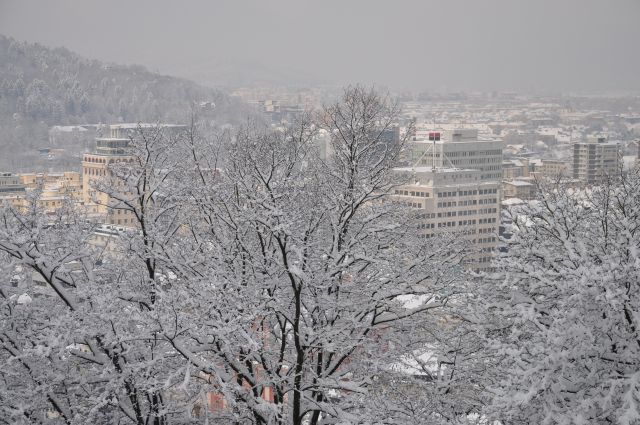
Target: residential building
515, 168
520, 189
553, 168
595, 160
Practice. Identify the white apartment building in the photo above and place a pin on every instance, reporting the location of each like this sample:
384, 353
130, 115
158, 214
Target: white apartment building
595, 160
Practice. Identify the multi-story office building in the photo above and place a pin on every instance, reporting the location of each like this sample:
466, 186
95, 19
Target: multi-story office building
457, 180
457, 201
595, 160
460, 148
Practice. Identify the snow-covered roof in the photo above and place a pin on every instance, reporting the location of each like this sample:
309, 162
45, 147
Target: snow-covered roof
68, 128
518, 183
512, 201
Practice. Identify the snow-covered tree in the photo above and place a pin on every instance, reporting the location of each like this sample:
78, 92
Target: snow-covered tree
87, 345
310, 276
562, 312
262, 283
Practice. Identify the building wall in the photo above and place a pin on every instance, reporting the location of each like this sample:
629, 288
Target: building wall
456, 201
553, 168
10, 184
518, 189
95, 168
595, 160
460, 149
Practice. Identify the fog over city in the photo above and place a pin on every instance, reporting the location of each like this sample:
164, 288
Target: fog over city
534, 46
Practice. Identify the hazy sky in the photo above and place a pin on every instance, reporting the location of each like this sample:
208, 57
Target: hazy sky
539, 45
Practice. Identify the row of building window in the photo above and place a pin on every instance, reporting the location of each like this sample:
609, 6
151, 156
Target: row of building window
95, 172
412, 204
488, 201
412, 193
468, 193
468, 212
487, 220
492, 152
491, 176
467, 203
427, 215
105, 161
487, 211
481, 240
487, 230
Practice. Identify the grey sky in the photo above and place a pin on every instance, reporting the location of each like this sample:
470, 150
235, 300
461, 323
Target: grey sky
540, 45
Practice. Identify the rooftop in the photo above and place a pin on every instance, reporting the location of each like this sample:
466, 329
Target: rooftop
430, 169
518, 183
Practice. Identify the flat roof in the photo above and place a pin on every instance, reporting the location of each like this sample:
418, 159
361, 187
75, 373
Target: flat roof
106, 139
518, 183
144, 125
427, 169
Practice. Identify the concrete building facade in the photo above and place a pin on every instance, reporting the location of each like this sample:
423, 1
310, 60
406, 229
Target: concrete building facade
455, 201
595, 160
460, 148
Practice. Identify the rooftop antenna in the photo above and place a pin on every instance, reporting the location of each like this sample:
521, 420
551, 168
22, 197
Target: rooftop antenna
434, 136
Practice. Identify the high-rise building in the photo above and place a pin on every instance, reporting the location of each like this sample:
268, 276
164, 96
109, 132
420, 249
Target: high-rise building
457, 201
456, 182
595, 160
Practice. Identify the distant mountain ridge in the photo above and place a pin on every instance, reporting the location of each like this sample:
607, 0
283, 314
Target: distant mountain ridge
61, 87
41, 87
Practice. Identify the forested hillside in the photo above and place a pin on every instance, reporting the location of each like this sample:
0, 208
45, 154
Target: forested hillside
41, 87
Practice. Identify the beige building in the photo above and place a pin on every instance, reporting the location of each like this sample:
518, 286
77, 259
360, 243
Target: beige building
55, 188
515, 168
595, 160
553, 168
456, 201
95, 170
52, 189
518, 189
